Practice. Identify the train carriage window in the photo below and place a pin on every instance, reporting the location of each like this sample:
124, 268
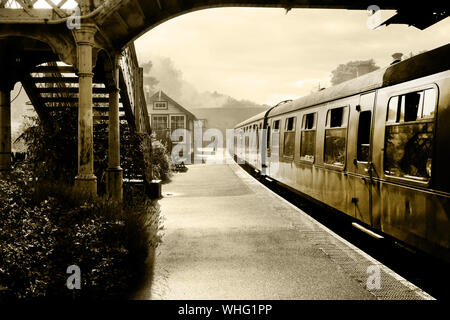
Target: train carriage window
289, 137
393, 110
409, 140
429, 103
335, 117
336, 136
290, 124
276, 125
275, 139
308, 137
411, 104
364, 126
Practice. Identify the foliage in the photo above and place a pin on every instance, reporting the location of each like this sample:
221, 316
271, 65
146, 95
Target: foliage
351, 70
44, 227
44, 230
52, 146
149, 81
161, 162
52, 151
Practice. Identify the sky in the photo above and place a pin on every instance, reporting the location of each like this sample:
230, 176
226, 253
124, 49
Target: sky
266, 56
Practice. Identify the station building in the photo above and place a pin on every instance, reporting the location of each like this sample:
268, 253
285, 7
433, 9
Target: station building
167, 115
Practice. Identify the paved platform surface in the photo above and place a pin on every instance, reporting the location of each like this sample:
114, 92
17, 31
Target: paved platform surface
229, 237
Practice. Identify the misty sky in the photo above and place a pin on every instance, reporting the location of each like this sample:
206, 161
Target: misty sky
266, 56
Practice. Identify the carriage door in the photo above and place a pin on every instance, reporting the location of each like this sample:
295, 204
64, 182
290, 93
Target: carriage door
361, 152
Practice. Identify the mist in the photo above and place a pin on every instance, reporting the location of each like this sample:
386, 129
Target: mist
160, 73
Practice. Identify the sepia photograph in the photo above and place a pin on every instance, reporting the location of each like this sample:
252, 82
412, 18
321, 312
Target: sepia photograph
224, 158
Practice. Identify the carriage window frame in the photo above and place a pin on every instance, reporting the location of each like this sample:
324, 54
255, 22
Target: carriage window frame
289, 131
303, 131
257, 134
420, 120
276, 124
400, 113
364, 131
343, 125
275, 131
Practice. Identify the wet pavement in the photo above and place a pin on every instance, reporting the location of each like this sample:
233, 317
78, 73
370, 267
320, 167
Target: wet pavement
228, 237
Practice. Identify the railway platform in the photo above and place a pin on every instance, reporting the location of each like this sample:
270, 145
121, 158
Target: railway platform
229, 237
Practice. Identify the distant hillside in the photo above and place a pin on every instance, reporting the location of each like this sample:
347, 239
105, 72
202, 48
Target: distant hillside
226, 118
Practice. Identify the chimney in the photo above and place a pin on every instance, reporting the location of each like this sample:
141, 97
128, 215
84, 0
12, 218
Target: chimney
397, 57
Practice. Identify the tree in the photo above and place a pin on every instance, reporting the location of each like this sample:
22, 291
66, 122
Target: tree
149, 81
352, 70
412, 54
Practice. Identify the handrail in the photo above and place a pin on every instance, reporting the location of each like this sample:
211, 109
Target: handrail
132, 78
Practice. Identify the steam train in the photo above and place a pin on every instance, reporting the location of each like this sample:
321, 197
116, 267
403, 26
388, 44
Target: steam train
376, 148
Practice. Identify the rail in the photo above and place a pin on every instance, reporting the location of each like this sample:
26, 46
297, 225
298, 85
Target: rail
132, 90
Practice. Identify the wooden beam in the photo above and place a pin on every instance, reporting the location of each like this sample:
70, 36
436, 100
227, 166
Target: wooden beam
39, 16
55, 80
95, 90
104, 100
53, 69
35, 98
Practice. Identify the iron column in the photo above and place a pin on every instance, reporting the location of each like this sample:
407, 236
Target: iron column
85, 181
5, 128
114, 173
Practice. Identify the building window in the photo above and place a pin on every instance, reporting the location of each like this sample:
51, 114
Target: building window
177, 122
289, 137
308, 137
409, 135
336, 136
160, 105
159, 122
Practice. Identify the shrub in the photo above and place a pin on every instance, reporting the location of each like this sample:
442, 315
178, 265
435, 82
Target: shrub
161, 162
52, 147
44, 227
44, 230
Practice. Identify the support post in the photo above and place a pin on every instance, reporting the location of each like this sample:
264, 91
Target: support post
5, 128
85, 181
114, 178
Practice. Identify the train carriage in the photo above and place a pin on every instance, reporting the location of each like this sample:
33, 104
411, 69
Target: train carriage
375, 148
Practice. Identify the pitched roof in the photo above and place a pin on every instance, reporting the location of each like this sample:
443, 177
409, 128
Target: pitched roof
161, 96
